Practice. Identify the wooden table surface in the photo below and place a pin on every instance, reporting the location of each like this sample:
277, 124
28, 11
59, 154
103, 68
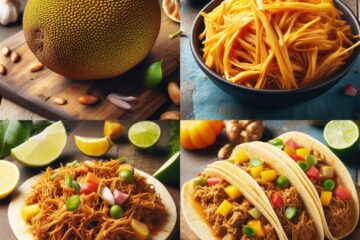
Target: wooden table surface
193, 162
11, 111
148, 161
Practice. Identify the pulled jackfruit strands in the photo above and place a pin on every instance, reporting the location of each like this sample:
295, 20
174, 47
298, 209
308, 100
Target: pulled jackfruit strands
279, 44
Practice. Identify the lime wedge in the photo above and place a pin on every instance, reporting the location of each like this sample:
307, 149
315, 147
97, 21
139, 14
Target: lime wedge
341, 135
43, 148
144, 134
169, 172
9, 177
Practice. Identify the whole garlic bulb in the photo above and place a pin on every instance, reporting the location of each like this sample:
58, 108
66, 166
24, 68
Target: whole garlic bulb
9, 11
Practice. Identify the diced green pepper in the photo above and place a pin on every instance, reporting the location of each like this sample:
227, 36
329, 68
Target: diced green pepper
249, 231
311, 160
255, 162
200, 181
329, 184
282, 182
304, 165
277, 142
76, 186
73, 163
68, 180
290, 212
255, 213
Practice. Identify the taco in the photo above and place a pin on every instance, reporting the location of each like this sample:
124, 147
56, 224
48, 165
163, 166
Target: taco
217, 206
92, 200
326, 178
279, 188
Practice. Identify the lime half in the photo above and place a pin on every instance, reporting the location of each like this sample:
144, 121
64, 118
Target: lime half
341, 135
169, 172
42, 149
144, 134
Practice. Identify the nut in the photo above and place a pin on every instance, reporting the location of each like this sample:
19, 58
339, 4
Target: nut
15, 57
174, 92
36, 67
5, 51
171, 115
88, 100
172, 9
225, 151
60, 101
240, 131
2, 69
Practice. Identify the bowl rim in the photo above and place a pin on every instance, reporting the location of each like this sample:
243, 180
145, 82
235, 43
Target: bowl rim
353, 21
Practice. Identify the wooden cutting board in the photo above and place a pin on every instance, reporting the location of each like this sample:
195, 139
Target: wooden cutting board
36, 91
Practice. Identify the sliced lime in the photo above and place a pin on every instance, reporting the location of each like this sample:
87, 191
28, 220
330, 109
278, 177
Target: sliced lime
43, 148
144, 134
341, 135
169, 172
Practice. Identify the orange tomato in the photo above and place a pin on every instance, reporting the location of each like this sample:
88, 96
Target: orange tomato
198, 134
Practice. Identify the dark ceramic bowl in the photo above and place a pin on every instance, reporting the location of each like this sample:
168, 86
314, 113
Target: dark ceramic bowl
272, 97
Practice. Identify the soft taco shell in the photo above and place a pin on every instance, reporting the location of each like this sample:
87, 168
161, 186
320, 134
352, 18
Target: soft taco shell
332, 160
22, 231
199, 224
276, 163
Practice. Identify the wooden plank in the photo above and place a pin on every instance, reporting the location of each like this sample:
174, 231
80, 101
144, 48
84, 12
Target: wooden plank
146, 161
11, 111
40, 88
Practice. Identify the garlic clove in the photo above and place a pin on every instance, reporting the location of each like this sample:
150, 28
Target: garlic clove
117, 101
9, 11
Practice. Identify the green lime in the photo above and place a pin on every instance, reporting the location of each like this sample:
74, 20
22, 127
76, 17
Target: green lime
169, 172
341, 135
144, 134
43, 148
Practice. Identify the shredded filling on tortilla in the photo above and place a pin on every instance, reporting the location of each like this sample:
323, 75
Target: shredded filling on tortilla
302, 226
91, 220
339, 214
230, 227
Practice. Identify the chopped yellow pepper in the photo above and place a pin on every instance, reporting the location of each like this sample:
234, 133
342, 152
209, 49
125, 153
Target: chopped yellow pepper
303, 152
224, 208
289, 150
268, 175
30, 211
256, 171
241, 156
256, 225
325, 198
232, 192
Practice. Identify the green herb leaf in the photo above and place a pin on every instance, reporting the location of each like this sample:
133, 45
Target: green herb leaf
39, 126
153, 75
12, 134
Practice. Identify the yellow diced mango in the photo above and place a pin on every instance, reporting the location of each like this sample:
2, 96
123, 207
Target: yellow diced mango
325, 198
30, 211
327, 172
268, 175
289, 150
232, 191
256, 225
141, 231
303, 152
225, 208
256, 171
241, 156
